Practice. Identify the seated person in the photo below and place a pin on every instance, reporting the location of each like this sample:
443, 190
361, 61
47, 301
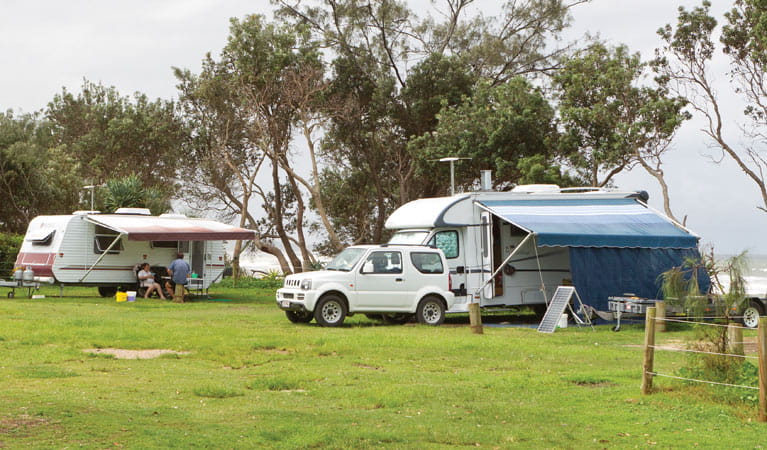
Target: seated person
146, 279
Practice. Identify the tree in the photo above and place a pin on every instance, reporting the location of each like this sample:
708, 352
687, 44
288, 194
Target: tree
685, 61
391, 99
129, 192
111, 135
246, 109
499, 127
612, 119
35, 176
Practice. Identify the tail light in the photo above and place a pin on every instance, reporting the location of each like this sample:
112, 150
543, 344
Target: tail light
449, 282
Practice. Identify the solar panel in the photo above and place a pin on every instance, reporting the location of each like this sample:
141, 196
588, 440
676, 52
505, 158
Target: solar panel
556, 308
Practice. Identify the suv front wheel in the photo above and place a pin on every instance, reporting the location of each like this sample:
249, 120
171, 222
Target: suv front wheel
330, 311
431, 311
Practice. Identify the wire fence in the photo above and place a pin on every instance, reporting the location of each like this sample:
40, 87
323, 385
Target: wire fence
734, 343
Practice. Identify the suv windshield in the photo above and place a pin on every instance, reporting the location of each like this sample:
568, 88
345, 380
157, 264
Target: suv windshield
346, 260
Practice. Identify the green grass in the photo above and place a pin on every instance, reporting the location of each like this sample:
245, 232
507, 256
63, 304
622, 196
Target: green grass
252, 379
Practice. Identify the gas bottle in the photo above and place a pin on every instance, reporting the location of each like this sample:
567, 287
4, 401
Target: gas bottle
18, 274
29, 274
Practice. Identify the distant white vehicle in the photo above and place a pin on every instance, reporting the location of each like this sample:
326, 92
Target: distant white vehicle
393, 281
102, 250
509, 249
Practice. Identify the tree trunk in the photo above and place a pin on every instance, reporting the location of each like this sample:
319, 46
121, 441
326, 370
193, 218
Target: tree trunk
278, 220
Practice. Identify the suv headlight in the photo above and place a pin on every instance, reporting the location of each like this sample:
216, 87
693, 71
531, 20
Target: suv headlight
306, 284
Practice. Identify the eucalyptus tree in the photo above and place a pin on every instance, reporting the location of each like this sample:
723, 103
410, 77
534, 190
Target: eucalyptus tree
396, 69
685, 61
510, 128
612, 118
112, 135
247, 109
36, 176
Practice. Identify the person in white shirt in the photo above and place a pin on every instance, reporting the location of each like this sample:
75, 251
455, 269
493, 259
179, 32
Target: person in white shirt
146, 278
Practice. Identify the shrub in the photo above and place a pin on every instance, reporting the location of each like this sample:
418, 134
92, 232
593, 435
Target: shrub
10, 244
251, 283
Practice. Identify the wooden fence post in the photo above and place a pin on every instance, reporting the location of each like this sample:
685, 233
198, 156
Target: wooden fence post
735, 339
649, 351
660, 312
762, 343
475, 318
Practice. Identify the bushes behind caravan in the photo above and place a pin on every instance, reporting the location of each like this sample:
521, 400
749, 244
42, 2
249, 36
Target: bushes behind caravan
9, 247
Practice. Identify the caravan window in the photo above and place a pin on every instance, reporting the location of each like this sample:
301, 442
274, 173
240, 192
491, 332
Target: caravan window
43, 238
447, 241
165, 244
104, 238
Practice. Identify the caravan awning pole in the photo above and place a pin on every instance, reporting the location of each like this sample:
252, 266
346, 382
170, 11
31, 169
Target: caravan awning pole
500, 267
103, 254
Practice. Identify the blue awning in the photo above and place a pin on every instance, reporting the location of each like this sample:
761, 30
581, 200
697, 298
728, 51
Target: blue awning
614, 222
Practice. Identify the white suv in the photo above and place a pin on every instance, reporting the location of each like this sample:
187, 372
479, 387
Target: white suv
390, 281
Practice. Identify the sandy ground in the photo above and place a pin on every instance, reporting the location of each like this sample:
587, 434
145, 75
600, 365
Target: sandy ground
120, 353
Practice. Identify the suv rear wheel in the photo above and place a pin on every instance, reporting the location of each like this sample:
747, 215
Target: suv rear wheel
330, 311
431, 311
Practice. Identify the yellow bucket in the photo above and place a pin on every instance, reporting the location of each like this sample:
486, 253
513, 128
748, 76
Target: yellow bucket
121, 297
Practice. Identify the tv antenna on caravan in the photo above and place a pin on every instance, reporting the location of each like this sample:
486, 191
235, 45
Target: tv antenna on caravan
451, 160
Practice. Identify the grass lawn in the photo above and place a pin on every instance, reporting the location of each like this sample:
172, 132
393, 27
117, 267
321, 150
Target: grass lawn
253, 379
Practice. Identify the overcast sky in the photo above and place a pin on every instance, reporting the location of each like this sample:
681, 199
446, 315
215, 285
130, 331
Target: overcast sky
132, 45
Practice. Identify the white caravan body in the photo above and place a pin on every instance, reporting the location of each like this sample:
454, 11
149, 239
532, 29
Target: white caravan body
92, 249
481, 243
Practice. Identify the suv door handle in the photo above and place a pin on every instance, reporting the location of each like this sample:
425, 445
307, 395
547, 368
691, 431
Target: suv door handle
399, 279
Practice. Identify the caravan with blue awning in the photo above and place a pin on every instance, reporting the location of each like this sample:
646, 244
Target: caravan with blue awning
514, 248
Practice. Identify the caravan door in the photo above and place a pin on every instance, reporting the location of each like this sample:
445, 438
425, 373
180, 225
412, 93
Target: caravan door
486, 222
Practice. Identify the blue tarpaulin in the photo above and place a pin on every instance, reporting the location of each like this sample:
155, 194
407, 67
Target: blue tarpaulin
617, 246
615, 222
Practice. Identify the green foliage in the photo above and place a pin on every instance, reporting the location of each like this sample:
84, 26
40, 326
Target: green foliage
270, 281
129, 192
36, 177
610, 117
10, 244
111, 135
509, 127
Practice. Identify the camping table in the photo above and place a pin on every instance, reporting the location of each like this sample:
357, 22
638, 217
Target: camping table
19, 285
195, 286
628, 305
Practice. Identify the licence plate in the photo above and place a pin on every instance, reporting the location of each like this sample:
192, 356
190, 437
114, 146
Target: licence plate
285, 303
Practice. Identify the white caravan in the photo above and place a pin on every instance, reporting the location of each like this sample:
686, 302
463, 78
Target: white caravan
102, 250
514, 248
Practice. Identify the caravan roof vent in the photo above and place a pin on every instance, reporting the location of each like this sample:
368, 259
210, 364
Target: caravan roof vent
536, 188
173, 216
134, 211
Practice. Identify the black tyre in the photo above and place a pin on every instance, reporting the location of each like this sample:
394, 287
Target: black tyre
10, 294
330, 311
396, 318
431, 311
299, 316
751, 314
106, 291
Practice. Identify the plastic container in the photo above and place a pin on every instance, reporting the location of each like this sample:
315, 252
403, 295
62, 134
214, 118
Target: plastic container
121, 297
194, 275
131, 296
562, 321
